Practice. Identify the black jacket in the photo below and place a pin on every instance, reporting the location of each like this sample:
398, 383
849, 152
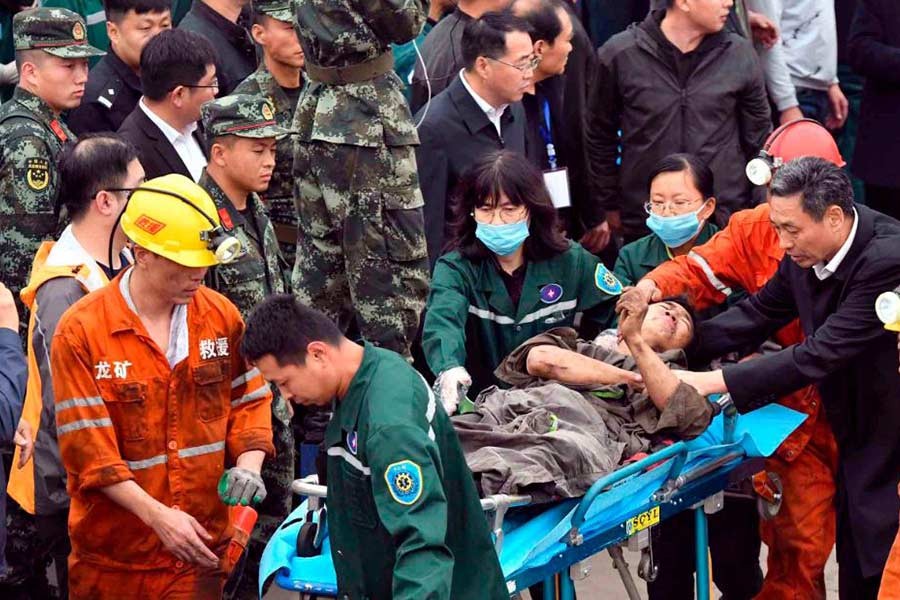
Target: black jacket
111, 93
442, 53
852, 360
721, 114
235, 52
874, 50
455, 133
157, 155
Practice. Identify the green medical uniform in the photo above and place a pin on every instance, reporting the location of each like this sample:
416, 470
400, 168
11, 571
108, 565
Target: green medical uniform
404, 518
470, 320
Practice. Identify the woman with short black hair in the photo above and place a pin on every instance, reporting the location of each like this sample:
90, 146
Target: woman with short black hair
508, 274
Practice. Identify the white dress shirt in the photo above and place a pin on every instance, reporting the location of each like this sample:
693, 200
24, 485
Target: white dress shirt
493, 114
823, 272
187, 147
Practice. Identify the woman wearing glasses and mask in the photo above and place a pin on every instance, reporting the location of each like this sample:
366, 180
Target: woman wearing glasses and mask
680, 211
508, 274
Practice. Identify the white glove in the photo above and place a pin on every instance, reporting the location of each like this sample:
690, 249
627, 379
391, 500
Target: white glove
9, 75
451, 385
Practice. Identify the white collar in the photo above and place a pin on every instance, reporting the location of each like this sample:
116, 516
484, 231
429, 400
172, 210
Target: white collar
170, 132
68, 251
491, 112
823, 272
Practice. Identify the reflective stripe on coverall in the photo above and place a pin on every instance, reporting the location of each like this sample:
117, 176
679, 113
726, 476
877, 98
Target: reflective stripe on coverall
800, 538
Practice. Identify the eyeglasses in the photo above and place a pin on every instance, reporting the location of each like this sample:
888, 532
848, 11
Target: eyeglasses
508, 214
531, 65
213, 85
659, 206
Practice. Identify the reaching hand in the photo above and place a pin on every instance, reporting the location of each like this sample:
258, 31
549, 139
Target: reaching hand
597, 238
9, 315
838, 107
181, 535
763, 28
632, 308
451, 385
241, 486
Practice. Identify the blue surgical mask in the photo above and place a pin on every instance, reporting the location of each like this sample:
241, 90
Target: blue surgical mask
502, 239
675, 230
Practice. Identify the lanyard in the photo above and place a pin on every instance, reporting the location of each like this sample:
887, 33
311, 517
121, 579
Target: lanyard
547, 132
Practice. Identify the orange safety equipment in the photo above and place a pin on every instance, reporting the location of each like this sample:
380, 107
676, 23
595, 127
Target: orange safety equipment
746, 255
87, 581
123, 413
890, 579
802, 137
54, 260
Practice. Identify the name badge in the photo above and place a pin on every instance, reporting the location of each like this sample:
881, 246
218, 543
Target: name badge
557, 183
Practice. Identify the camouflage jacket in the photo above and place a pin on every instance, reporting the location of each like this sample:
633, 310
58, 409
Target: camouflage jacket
32, 137
256, 274
341, 33
280, 195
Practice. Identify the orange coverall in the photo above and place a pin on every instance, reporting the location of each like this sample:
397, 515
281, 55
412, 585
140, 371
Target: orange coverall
800, 538
124, 414
890, 579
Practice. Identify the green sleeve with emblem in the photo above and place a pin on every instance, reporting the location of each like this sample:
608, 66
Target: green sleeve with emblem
402, 457
29, 176
597, 287
444, 332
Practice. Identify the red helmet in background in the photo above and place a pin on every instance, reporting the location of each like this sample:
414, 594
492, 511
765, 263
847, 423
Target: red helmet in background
803, 137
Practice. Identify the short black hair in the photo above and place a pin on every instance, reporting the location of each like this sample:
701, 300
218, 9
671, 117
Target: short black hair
544, 19
172, 58
97, 162
282, 327
819, 182
486, 36
117, 9
680, 162
31, 55
511, 174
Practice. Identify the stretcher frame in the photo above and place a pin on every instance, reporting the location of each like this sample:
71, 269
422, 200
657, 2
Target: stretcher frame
700, 489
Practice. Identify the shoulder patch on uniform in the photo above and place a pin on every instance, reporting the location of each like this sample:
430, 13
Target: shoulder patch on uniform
606, 281
404, 481
37, 173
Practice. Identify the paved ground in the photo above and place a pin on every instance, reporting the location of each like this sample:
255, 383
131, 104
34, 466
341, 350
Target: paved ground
604, 584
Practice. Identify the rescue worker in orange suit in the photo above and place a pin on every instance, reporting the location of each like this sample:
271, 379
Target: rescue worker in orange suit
91, 174
156, 410
746, 255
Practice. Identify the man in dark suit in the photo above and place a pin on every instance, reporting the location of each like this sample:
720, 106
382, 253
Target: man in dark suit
839, 258
479, 112
874, 51
225, 24
114, 85
178, 75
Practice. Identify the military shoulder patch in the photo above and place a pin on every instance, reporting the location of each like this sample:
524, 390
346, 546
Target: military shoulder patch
37, 174
606, 281
404, 481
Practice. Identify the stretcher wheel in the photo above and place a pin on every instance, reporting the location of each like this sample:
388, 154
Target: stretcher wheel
647, 569
768, 508
306, 538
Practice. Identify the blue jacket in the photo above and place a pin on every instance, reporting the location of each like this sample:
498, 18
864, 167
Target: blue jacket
13, 375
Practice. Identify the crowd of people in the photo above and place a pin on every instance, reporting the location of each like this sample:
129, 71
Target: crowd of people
234, 231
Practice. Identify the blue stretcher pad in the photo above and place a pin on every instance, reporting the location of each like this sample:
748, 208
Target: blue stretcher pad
531, 543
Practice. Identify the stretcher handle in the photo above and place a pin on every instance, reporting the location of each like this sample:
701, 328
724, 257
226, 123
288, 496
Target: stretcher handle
309, 486
617, 476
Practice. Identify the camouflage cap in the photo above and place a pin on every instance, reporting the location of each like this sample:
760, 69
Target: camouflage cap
282, 10
57, 31
242, 115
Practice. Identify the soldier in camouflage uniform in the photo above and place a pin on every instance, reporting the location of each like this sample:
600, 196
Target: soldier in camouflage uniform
361, 252
278, 78
242, 130
52, 52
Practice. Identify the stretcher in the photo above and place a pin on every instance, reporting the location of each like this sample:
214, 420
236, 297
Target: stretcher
550, 543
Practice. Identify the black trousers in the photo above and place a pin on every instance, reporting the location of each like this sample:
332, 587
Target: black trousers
734, 545
883, 199
851, 583
53, 537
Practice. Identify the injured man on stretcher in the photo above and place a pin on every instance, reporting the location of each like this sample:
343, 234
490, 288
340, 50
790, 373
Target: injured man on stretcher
574, 411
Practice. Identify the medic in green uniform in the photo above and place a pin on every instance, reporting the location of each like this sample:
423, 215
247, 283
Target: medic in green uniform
511, 276
404, 518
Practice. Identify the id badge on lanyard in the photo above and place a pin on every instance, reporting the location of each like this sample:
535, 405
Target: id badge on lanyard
555, 179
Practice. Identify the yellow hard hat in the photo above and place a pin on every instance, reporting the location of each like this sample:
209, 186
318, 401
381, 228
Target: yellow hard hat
175, 218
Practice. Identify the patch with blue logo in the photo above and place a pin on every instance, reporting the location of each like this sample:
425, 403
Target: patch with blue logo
352, 442
551, 292
606, 281
404, 481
